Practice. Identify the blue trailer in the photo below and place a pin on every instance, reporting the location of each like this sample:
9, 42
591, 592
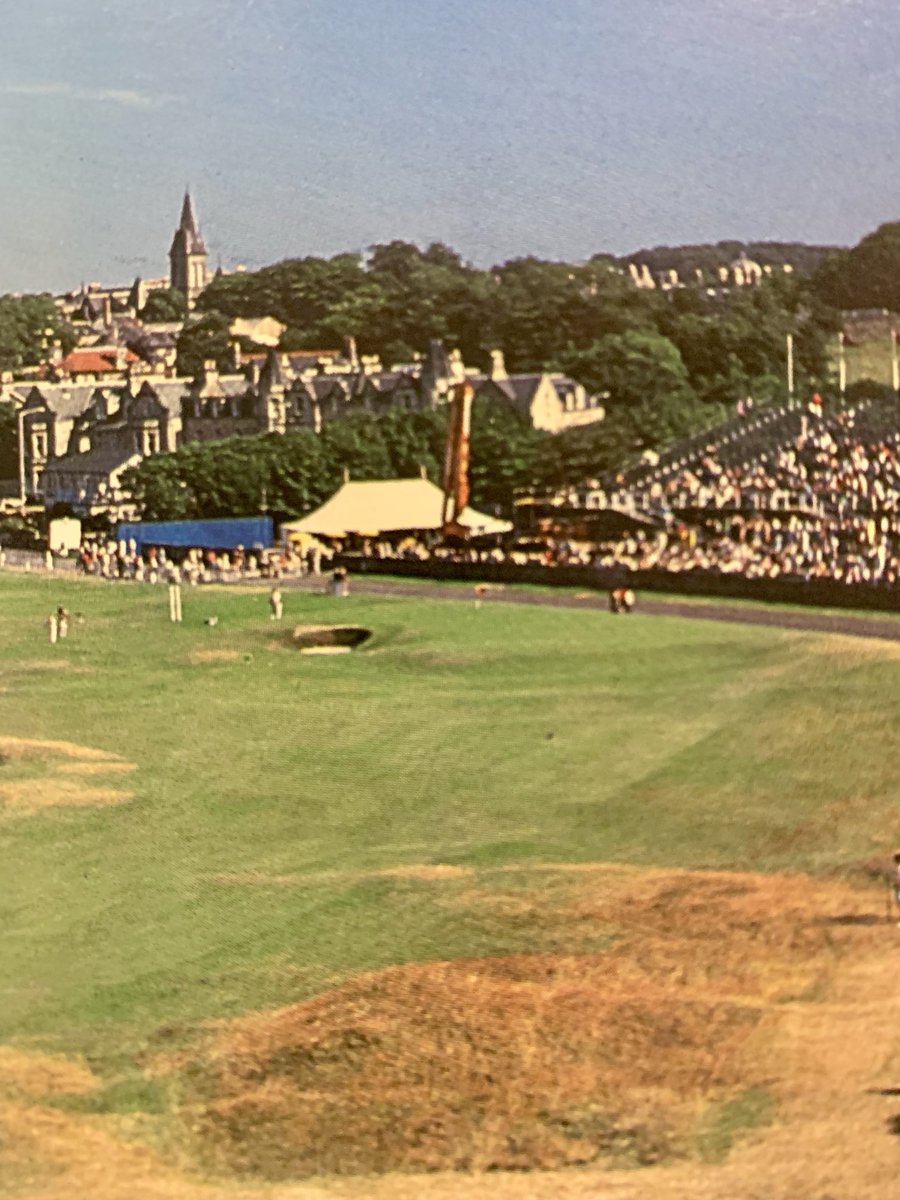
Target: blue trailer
225, 533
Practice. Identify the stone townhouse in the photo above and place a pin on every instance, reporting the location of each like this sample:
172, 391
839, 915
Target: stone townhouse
79, 438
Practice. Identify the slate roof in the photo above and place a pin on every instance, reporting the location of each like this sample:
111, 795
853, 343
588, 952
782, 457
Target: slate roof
100, 461
66, 400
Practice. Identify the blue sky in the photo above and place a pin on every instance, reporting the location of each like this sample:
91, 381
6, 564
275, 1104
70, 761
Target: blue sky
502, 127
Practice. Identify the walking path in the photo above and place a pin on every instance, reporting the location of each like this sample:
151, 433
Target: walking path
856, 624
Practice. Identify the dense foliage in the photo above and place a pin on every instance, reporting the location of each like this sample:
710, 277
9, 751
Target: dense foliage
536, 311
665, 365
284, 475
165, 304
868, 276
29, 325
203, 338
292, 474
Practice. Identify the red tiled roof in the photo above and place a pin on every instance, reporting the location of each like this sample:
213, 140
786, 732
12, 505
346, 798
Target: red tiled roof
94, 362
252, 354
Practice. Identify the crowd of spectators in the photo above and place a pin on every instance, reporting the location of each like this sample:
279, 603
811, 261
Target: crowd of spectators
821, 502
825, 506
123, 560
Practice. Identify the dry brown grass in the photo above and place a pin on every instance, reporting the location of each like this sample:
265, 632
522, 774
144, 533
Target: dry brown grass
33, 1074
31, 795
23, 748
545, 1071
198, 657
531, 1061
847, 646
103, 767
55, 787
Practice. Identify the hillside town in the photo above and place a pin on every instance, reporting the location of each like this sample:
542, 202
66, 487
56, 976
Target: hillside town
116, 398
95, 417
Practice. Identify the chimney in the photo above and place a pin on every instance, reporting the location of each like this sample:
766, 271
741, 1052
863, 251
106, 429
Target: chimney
236, 355
457, 367
350, 352
210, 383
107, 310
498, 365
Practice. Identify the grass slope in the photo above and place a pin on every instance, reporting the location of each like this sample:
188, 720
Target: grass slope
271, 791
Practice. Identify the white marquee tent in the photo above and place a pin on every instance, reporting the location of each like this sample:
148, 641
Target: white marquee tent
387, 506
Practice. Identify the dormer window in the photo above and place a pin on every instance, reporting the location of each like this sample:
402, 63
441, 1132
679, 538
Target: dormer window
150, 438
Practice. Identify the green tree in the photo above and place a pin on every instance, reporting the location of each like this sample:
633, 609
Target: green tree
29, 325
9, 442
202, 339
648, 398
506, 455
867, 276
166, 304
629, 368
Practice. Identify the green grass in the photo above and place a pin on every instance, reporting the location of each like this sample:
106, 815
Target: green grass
869, 360
505, 735
728, 1120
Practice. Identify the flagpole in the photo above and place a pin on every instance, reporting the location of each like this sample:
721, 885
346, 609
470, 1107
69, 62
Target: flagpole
895, 366
790, 366
842, 365
456, 456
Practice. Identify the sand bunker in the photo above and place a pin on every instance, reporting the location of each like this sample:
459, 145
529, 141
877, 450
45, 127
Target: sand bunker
328, 639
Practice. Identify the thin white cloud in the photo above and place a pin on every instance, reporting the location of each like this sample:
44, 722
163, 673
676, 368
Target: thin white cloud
72, 91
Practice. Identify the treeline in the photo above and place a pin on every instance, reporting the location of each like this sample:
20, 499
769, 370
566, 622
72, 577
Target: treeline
291, 474
538, 312
867, 276
665, 364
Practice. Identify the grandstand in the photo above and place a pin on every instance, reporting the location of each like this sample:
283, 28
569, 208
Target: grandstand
802, 492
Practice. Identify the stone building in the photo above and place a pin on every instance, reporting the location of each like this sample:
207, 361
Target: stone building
78, 437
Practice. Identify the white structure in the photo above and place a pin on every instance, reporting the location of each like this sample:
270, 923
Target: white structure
368, 509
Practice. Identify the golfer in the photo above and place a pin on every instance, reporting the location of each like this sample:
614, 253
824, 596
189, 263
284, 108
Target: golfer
276, 604
62, 621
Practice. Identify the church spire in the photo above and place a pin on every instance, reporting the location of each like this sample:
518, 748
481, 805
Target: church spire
188, 220
188, 254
